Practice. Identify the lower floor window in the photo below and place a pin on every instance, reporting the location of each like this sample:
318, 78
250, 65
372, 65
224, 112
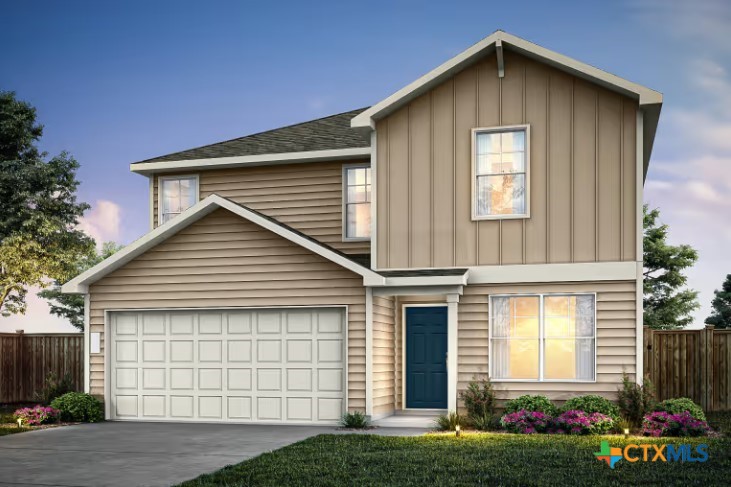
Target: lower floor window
543, 337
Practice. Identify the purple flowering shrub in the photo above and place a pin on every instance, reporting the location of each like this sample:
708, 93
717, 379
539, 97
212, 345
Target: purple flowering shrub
37, 415
665, 424
576, 422
526, 422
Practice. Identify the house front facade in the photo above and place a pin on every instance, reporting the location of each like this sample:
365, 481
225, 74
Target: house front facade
485, 220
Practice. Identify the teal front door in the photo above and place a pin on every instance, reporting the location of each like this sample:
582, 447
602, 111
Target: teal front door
426, 357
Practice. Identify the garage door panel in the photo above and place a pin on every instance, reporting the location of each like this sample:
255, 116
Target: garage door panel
273, 365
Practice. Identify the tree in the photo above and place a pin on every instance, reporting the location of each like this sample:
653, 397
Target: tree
71, 306
667, 306
38, 208
721, 315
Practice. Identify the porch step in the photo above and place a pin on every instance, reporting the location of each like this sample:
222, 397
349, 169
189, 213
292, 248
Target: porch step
410, 419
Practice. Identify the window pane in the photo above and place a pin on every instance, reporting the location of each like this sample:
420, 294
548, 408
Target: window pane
357, 194
569, 359
501, 195
177, 196
488, 143
359, 220
513, 162
584, 316
489, 164
358, 175
513, 141
500, 317
514, 359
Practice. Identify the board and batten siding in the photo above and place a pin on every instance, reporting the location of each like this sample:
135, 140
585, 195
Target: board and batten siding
615, 334
582, 171
307, 197
224, 260
384, 371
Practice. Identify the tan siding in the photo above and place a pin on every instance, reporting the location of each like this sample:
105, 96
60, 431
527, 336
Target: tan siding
246, 267
384, 372
307, 197
616, 330
569, 118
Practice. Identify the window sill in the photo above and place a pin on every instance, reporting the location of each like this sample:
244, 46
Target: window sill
500, 217
356, 239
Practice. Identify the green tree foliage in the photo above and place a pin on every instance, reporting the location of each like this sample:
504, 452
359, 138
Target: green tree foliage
38, 208
71, 306
667, 305
721, 315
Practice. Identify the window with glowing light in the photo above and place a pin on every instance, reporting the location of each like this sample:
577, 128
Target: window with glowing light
357, 202
500, 173
547, 337
177, 195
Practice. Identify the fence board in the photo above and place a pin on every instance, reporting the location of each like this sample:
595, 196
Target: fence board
26, 360
690, 363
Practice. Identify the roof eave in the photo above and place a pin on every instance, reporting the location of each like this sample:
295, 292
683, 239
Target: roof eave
147, 168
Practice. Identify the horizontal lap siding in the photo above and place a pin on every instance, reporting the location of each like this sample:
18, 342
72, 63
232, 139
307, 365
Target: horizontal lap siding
383, 355
616, 333
246, 267
307, 197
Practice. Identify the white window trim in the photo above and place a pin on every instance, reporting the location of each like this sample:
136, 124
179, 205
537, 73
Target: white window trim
473, 182
344, 202
540, 338
160, 180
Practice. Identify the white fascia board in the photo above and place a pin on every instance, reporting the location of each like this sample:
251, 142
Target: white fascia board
577, 272
146, 168
80, 284
646, 96
418, 290
427, 281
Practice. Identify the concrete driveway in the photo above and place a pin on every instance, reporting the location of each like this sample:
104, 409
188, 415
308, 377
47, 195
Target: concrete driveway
140, 454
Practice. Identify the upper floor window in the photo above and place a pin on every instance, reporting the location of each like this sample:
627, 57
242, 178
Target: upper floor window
500, 171
357, 202
543, 337
177, 194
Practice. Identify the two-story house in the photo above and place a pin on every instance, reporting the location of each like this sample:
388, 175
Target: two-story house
484, 219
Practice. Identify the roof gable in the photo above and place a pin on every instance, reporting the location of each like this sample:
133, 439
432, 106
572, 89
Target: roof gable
80, 284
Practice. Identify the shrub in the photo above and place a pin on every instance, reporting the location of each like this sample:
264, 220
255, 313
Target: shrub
677, 406
448, 422
664, 424
485, 423
526, 422
593, 404
635, 400
575, 422
355, 420
37, 415
532, 404
77, 406
54, 387
479, 398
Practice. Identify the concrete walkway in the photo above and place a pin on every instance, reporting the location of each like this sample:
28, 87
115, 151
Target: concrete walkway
142, 454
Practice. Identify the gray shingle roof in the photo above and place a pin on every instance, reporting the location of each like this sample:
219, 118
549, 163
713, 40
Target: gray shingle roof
326, 133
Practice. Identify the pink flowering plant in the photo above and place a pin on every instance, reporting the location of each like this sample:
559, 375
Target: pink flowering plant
662, 423
526, 422
37, 415
574, 422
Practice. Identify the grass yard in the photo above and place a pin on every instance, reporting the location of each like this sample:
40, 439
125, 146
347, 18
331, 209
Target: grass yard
489, 459
9, 429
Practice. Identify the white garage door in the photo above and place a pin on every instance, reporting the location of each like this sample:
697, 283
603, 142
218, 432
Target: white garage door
273, 365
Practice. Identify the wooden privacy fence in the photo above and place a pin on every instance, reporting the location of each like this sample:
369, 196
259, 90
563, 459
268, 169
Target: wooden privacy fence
26, 360
690, 363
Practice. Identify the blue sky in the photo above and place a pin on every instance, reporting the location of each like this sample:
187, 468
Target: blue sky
116, 82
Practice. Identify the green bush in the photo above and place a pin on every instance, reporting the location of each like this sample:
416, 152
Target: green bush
449, 422
593, 404
635, 400
355, 420
485, 423
679, 405
479, 398
54, 387
79, 407
531, 404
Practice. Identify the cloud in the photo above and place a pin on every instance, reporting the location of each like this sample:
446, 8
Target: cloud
102, 223
701, 21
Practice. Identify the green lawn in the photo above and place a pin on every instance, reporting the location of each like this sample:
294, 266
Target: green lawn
489, 459
9, 429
